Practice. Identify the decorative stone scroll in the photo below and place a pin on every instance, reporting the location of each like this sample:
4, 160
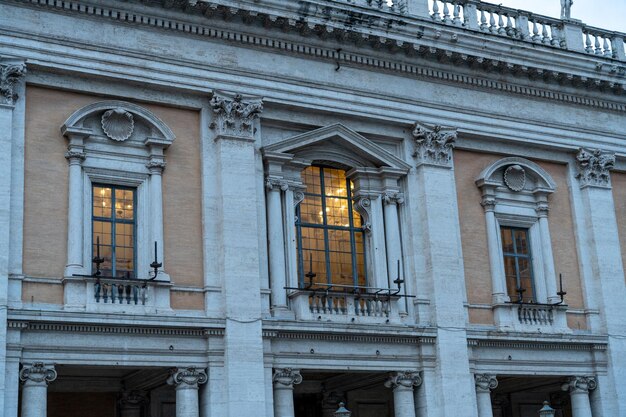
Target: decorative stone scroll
434, 146
234, 115
363, 205
594, 166
287, 377
10, 74
404, 379
485, 382
38, 373
580, 384
183, 378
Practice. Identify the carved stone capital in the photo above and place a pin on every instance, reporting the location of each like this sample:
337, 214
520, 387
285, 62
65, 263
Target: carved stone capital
132, 399
156, 166
234, 115
393, 198
75, 156
10, 74
276, 184
38, 373
485, 382
580, 384
488, 202
187, 378
434, 145
287, 377
404, 379
594, 166
542, 208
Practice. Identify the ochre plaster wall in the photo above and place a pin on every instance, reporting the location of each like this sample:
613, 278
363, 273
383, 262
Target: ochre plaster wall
618, 179
46, 187
468, 166
186, 300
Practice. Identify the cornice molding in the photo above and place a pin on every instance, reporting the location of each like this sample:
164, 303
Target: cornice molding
439, 52
110, 329
556, 345
411, 340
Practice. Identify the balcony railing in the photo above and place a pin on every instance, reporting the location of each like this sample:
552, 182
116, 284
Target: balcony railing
120, 291
525, 317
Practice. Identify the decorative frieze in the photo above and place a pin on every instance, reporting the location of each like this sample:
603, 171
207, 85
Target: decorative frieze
594, 166
580, 384
38, 373
434, 145
235, 115
485, 382
10, 74
287, 377
183, 378
404, 379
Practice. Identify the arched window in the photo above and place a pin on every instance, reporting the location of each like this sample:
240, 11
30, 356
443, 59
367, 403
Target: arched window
330, 233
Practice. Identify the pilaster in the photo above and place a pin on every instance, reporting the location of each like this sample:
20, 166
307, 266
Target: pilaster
234, 131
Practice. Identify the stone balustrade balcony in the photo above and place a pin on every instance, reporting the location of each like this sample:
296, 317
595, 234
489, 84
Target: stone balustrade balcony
534, 318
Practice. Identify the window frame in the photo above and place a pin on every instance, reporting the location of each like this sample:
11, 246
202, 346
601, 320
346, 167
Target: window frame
113, 221
516, 256
325, 227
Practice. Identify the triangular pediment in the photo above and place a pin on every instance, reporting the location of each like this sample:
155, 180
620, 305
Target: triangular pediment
340, 145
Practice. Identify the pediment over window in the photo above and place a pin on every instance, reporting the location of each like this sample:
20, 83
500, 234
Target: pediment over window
118, 121
337, 145
517, 175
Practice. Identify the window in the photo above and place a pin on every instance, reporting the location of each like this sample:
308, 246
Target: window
114, 229
330, 233
517, 263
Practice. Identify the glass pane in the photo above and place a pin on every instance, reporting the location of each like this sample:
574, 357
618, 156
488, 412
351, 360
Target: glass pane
356, 219
521, 241
311, 210
337, 212
124, 201
360, 266
102, 235
526, 278
311, 178
511, 277
102, 202
507, 240
340, 257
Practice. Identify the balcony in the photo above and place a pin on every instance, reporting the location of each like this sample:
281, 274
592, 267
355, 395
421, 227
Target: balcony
535, 318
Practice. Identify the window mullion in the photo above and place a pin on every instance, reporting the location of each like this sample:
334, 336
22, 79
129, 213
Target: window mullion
325, 223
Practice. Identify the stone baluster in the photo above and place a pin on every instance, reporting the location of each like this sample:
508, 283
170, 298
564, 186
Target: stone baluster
485, 383
186, 382
436, 15
403, 384
579, 388
284, 381
131, 403
35, 378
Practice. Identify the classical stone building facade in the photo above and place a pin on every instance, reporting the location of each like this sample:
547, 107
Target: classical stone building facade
269, 208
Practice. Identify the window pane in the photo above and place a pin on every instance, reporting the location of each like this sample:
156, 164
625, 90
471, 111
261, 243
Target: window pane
510, 271
521, 241
507, 240
526, 278
311, 178
337, 212
335, 182
311, 210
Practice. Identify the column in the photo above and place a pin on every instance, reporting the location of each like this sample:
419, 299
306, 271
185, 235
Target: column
186, 381
284, 381
75, 157
131, 403
578, 388
238, 201
546, 251
484, 384
276, 242
402, 384
35, 378
434, 201
156, 166
602, 244
391, 201
11, 76
498, 281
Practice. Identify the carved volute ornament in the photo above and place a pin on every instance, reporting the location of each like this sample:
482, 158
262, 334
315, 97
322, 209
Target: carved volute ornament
580, 384
117, 124
393, 198
287, 377
363, 205
38, 373
234, 115
485, 382
10, 74
594, 166
404, 379
187, 378
434, 145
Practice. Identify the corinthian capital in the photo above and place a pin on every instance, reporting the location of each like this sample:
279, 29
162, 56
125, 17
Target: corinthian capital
38, 373
10, 74
404, 379
580, 384
187, 378
434, 145
287, 377
234, 115
594, 166
393, 198
485, 382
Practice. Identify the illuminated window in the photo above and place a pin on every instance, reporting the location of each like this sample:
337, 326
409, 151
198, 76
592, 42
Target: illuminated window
330, 233
517, 263
113, 226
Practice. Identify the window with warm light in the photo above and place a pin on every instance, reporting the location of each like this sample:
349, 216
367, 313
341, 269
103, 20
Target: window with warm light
517, 263
330, 233
113, 229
